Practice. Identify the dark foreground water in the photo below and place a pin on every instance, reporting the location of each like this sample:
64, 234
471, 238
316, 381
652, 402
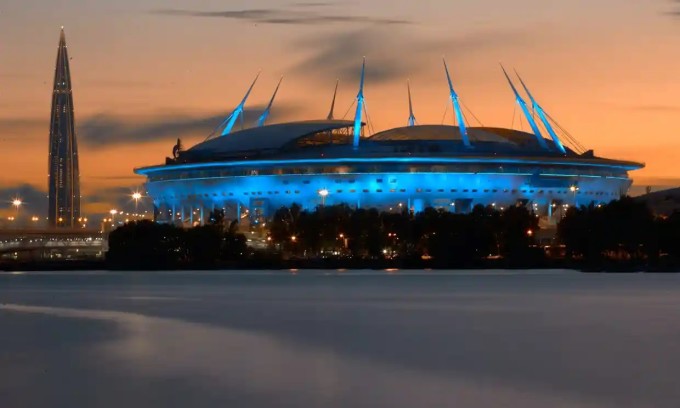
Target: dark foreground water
341, 339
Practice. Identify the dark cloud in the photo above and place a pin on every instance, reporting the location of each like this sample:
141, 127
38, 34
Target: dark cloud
34, 200
316, 3
281, 16
656, 108
392, 54
674, 12
105, 130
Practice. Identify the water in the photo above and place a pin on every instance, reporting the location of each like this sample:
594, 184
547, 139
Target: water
339, 339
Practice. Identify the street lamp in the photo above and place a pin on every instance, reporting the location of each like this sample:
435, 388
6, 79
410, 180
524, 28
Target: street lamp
113, 213
136, 196
17, 203
323, 193
574, 189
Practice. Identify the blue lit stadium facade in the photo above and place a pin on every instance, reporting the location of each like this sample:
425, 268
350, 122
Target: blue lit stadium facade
253, 172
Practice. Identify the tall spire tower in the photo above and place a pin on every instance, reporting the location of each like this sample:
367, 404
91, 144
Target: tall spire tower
64, 175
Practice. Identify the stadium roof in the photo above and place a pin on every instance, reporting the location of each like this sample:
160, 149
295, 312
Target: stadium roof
266, 137
514, 138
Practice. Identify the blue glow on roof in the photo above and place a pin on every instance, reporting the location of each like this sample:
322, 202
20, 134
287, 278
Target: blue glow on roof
351, 160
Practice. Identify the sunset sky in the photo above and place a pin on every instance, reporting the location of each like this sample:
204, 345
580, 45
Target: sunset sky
148, 71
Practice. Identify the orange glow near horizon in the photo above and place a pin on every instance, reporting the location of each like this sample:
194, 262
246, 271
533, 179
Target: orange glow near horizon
136, 72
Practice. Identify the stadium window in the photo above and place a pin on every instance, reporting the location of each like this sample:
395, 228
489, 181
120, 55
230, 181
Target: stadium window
486, 191
466, 190
428, 190
378, 191
514, 191
494, 190
541, 191
297, 191
245, 193
393, 190
403, 190
338, 191
393, 180
287, 191
305, 182
276, 192
453, 190
365, 190
419, 190
531, 191
338, 181
378, 180
352, 181
441, 190
352, 191
286, 182
474, 190
231, 194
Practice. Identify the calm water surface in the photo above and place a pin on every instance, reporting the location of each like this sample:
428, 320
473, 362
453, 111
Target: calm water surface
339, 339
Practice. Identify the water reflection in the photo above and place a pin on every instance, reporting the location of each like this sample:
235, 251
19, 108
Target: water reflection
366, 340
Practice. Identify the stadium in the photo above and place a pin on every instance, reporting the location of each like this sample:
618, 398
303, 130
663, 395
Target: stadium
250, 173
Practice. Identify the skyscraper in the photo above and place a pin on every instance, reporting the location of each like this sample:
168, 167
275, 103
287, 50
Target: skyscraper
64, 176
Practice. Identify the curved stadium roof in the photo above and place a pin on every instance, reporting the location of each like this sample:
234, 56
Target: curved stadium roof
270, 137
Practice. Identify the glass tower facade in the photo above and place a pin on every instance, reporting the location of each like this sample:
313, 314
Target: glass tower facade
64, 175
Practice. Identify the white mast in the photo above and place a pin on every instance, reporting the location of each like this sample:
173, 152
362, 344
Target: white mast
411, 117
265, 114
231, 119
456, 108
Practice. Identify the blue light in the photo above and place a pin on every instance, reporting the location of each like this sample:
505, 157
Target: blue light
359, 160
527, 114
541, 114
360, 108
456, 108
231, 120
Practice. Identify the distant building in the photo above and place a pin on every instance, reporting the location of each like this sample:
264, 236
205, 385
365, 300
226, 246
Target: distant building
64, 175
663, 202
251, 173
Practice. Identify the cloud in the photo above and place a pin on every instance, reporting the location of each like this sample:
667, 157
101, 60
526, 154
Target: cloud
105, 130
393, 54
316, 3
286, 17
676, 11
34, 200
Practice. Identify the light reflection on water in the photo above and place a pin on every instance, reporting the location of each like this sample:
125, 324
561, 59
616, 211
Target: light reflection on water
491, 340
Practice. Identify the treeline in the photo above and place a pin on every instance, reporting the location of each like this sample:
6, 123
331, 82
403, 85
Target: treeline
148, 245
621, 232
442, 237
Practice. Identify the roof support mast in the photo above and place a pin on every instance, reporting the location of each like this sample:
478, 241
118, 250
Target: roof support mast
411, 116
360, 108
456, 108
335, 94
265, 114
541, 114
231, 119
527, 114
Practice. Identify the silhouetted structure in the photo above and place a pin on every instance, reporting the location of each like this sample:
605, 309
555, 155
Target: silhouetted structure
64, 175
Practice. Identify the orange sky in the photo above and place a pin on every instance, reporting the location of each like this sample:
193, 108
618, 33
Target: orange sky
145, 73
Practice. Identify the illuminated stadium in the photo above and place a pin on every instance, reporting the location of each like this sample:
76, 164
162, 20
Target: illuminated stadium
251, 173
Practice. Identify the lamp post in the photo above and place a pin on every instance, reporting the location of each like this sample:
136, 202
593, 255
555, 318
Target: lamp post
113, 213
136, 196
17, 203
574, 189
323, 193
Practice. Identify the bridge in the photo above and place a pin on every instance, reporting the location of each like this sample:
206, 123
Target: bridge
36, 244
